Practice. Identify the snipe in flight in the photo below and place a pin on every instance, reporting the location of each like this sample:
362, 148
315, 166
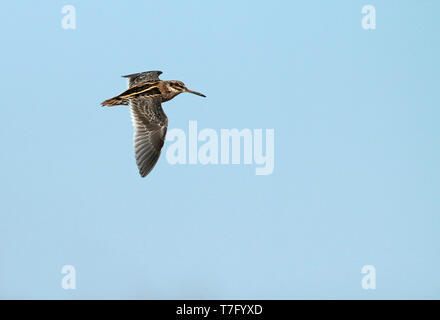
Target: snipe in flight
144, 95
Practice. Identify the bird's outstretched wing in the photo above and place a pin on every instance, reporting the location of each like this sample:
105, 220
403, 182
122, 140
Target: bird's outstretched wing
150, 122
142, 77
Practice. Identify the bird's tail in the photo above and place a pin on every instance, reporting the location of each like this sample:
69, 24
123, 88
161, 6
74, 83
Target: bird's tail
116, 101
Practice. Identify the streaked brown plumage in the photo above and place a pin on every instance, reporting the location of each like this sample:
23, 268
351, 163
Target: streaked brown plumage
144, 95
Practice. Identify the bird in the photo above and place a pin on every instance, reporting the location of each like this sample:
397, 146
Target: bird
145, 95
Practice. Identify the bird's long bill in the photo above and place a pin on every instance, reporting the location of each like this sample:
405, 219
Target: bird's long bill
195, 92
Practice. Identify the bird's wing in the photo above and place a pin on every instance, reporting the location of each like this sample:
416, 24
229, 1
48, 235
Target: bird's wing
150, 122
145, 90
142, 77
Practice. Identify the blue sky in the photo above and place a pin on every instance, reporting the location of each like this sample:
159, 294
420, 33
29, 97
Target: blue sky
356, 176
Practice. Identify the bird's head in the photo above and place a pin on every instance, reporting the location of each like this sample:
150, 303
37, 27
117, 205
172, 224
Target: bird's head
179, 87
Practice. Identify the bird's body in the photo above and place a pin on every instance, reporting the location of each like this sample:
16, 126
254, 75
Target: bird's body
145, 94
